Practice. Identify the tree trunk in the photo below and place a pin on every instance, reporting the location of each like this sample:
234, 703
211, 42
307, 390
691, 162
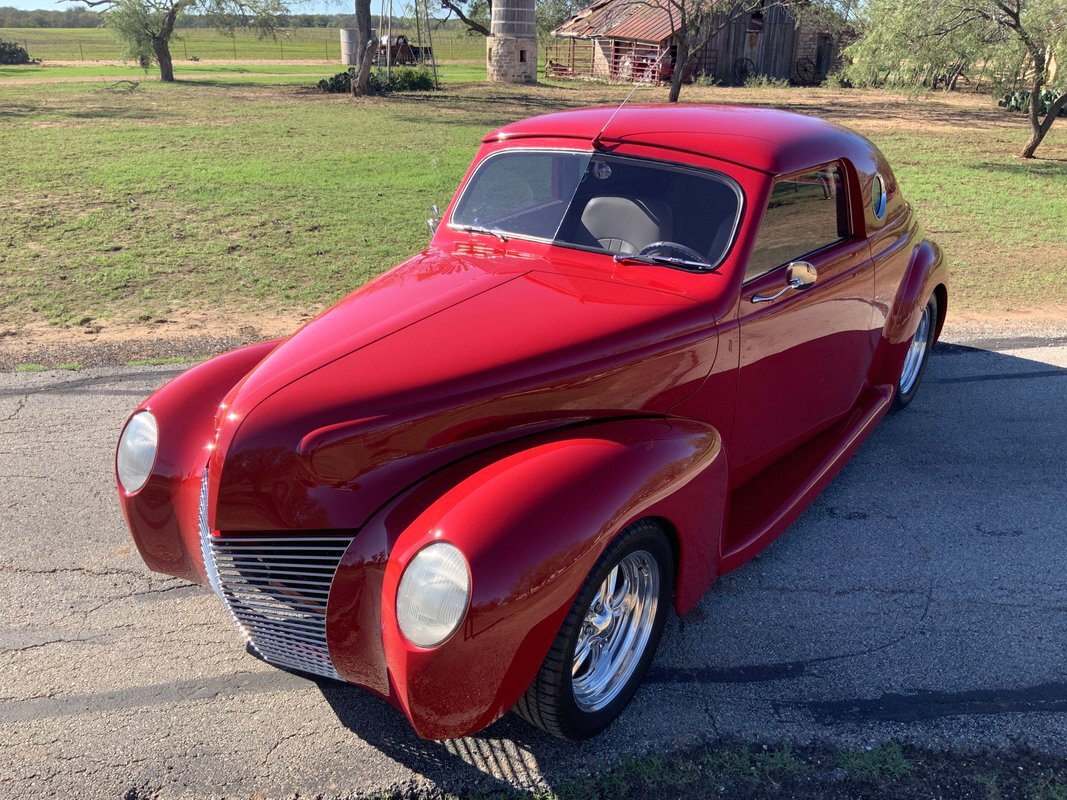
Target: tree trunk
681, 64
161, 47
361, 80
1037, 130
366, 47
161, 43
1039, 133
954, 77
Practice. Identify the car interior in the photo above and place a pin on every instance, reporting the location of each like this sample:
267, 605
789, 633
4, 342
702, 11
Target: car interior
620, 205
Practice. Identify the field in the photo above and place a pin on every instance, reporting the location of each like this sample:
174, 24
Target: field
247, 72
99, 44
249, 198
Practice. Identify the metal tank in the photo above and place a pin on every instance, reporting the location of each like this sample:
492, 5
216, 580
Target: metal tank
348, 46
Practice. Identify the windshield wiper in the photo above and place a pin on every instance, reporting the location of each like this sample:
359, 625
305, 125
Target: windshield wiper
480, 229
661, 260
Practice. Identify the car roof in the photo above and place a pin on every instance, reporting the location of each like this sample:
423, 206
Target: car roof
772, 141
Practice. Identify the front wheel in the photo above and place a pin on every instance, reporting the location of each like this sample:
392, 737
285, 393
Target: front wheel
915, 360
608, 639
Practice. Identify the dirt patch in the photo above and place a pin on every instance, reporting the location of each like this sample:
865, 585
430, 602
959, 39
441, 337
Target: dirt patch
190, 335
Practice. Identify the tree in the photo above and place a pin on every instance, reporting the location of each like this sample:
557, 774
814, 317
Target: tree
919, 42
366, 47
146, 26
697, 21
476, 16
553, 13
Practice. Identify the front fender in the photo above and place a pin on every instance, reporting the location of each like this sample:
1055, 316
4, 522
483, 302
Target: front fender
162, 516
531, 518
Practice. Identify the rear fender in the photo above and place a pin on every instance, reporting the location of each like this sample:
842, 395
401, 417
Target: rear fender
532, 518
162, 516
926, 272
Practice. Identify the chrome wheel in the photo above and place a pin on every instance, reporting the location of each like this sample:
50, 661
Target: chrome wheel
913, 361
615, 632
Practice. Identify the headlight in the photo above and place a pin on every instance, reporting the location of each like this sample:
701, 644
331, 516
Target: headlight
433, 594
137, 451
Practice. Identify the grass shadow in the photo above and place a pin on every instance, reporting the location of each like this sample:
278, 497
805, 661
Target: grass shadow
1045, 168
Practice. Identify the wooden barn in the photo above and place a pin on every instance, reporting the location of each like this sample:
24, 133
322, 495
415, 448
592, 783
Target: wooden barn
625, 40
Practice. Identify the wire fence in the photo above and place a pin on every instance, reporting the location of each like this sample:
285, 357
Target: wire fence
288, 44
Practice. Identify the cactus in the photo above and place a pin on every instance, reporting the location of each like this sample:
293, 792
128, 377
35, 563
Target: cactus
1020, 102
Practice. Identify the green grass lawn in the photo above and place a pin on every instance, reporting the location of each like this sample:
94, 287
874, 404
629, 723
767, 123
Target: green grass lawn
99, 44
267, 195
181, 69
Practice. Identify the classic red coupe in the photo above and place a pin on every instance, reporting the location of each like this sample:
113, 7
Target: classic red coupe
639, 344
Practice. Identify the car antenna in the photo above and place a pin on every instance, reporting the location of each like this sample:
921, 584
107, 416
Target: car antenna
651, 71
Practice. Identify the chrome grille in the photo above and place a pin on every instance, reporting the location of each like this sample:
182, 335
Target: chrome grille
276, 588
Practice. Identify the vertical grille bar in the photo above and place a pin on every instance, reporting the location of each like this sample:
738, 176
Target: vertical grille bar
276, 588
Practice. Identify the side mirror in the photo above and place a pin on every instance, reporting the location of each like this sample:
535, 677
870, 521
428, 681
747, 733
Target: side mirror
802, 275
435, 219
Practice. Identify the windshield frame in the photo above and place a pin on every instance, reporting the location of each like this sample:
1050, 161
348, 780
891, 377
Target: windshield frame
703, 172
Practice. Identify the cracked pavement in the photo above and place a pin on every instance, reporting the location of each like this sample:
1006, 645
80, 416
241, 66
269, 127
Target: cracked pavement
923, 598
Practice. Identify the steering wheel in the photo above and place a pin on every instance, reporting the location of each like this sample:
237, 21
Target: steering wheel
688, 252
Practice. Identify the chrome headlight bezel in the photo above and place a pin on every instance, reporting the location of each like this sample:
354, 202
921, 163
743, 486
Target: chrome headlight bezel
135, 456
433, 595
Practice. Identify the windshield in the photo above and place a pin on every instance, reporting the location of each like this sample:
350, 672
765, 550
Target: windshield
644, 210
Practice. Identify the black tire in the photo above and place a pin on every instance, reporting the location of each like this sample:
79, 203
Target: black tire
902, 398
549, 702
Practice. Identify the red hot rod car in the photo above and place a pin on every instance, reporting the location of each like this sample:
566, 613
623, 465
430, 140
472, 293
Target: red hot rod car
637, 347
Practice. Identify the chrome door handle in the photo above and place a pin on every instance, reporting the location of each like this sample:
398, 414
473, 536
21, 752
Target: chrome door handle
801, 275
766, 298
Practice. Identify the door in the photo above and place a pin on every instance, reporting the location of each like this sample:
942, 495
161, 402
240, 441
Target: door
806, 352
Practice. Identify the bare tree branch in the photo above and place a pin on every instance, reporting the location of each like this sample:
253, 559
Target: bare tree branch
473, 24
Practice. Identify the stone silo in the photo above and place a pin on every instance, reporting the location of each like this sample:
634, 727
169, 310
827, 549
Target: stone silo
511, 50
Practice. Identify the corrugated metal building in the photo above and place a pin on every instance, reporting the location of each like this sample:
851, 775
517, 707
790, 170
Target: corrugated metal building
634, 40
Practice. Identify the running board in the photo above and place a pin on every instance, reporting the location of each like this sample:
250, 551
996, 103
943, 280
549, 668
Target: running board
769, 503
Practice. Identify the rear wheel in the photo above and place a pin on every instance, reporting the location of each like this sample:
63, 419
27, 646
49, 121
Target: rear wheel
608, 639
915, 360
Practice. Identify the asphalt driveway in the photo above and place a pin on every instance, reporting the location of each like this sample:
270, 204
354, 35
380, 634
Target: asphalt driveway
922, 598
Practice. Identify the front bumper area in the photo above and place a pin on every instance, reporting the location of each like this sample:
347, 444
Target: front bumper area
276, 588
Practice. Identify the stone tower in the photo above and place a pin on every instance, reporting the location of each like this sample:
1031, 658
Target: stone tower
511, 50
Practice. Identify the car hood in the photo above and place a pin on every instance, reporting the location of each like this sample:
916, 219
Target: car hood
445, 355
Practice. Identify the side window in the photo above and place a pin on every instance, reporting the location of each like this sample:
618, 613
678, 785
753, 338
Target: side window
806, 213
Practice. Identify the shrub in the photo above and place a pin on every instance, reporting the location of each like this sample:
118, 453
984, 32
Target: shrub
407, 79
765, 82
402, 79
339, 83
14, 53
705, 80
837, 80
